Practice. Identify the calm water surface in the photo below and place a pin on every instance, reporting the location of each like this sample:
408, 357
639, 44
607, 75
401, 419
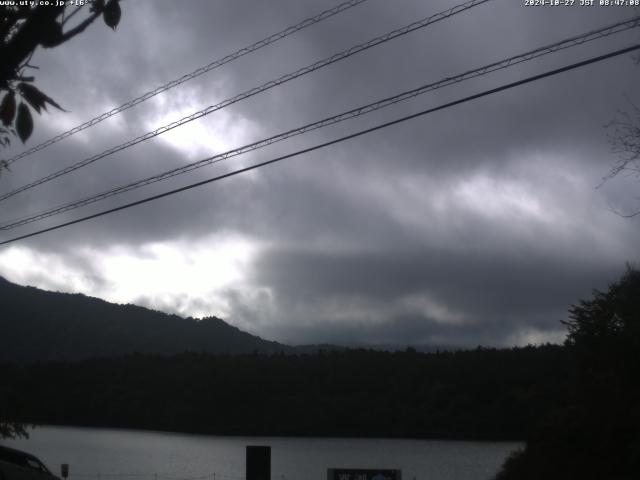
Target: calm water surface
141, 455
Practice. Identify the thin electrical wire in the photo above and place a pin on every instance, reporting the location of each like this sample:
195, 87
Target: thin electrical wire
362, 110
196, 73
254, 91
331, 142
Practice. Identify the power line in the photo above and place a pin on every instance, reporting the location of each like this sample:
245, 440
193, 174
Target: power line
254, 91
196, 73
371, 107
332, 142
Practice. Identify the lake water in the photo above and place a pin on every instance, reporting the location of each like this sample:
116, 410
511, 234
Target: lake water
102, 454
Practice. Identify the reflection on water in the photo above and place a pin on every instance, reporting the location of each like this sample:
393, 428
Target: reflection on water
140, 455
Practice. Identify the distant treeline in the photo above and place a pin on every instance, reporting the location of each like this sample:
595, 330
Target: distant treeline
577, 405
479, 394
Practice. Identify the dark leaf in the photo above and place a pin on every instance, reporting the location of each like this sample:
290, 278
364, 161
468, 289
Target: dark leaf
24, 122
51, 34
97, 6
112, 13
8, 108
33, 96
36, 98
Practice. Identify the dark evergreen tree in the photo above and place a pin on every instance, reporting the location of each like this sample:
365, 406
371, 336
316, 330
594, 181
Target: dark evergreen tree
597, 434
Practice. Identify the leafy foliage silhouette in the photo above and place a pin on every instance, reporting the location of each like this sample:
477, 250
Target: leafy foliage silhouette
24, 28
597, 434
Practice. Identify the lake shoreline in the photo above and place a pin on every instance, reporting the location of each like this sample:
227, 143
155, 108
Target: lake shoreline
477, 439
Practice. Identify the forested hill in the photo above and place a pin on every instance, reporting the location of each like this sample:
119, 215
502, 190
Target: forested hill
36, 325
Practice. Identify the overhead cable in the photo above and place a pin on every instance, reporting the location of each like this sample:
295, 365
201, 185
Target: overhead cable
332, 142
362, 110
196, 73
254, 91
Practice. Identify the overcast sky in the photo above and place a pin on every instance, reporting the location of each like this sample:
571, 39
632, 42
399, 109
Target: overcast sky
478, 224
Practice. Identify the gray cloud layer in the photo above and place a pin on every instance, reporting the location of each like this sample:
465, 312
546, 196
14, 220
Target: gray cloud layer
478, 224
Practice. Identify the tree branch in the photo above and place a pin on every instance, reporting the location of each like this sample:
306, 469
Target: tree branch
26, 40
623, 215
71, 15
79, 28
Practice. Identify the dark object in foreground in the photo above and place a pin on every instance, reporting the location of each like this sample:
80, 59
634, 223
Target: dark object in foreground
597, 436
19, 465
258, 462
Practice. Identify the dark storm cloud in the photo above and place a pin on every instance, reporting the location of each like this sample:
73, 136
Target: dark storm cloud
477, 224
489, 284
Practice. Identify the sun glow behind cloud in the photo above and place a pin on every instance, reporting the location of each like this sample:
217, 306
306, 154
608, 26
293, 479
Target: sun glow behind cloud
498, 198
503, 186
179, 276
215, 133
